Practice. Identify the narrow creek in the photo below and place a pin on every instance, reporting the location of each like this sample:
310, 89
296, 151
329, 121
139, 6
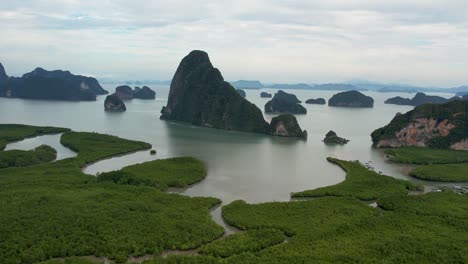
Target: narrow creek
52, 140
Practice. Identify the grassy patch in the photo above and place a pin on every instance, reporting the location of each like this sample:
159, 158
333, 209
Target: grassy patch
21, 158
92, 147
442, 173
249, 241
360, 183
14, 132
414, 155
161, 174
53, 210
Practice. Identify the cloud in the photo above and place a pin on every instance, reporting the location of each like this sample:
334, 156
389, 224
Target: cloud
419, 41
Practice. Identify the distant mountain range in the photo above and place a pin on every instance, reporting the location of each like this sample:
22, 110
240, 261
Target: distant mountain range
359, 85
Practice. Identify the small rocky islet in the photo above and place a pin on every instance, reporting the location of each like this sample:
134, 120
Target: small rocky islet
284, 102
331, 138
351, 99
319, 101
144, 93
199, 95
265, 95
125, 92
286, 125
114, 103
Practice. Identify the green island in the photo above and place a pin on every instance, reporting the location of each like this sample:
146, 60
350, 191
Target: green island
21, 158
443, 165
68, 213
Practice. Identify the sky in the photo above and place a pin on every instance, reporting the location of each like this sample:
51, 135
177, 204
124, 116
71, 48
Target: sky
420, 42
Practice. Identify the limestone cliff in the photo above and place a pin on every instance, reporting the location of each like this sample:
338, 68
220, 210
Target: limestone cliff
284, 102
351, 99
114, 103
429, 125
199, 95
50, 85
286, 126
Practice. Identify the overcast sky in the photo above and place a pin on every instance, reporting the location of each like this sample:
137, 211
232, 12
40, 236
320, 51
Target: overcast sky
422, 42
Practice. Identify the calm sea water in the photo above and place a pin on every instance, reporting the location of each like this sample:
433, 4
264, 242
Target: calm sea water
255, 168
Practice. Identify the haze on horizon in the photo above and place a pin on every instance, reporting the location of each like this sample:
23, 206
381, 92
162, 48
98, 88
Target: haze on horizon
420, 42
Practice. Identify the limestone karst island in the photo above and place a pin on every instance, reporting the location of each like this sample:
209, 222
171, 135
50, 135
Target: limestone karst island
181, 132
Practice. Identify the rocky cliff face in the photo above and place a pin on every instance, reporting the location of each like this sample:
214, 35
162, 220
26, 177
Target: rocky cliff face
332, 138
284, 102
286, 126
199, 95
419, 99
351, 99
114, 103
429, 125
51, 85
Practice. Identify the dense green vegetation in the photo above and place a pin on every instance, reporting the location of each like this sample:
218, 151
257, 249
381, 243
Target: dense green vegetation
21, 158
161, 174
360, 183
93, 146
53, 210
72, 260
456, 112
443, 173
429, 228
414, 155
249, 241
444, 165
14, 132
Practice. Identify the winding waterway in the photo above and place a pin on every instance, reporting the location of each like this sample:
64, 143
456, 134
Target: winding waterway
252, 167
